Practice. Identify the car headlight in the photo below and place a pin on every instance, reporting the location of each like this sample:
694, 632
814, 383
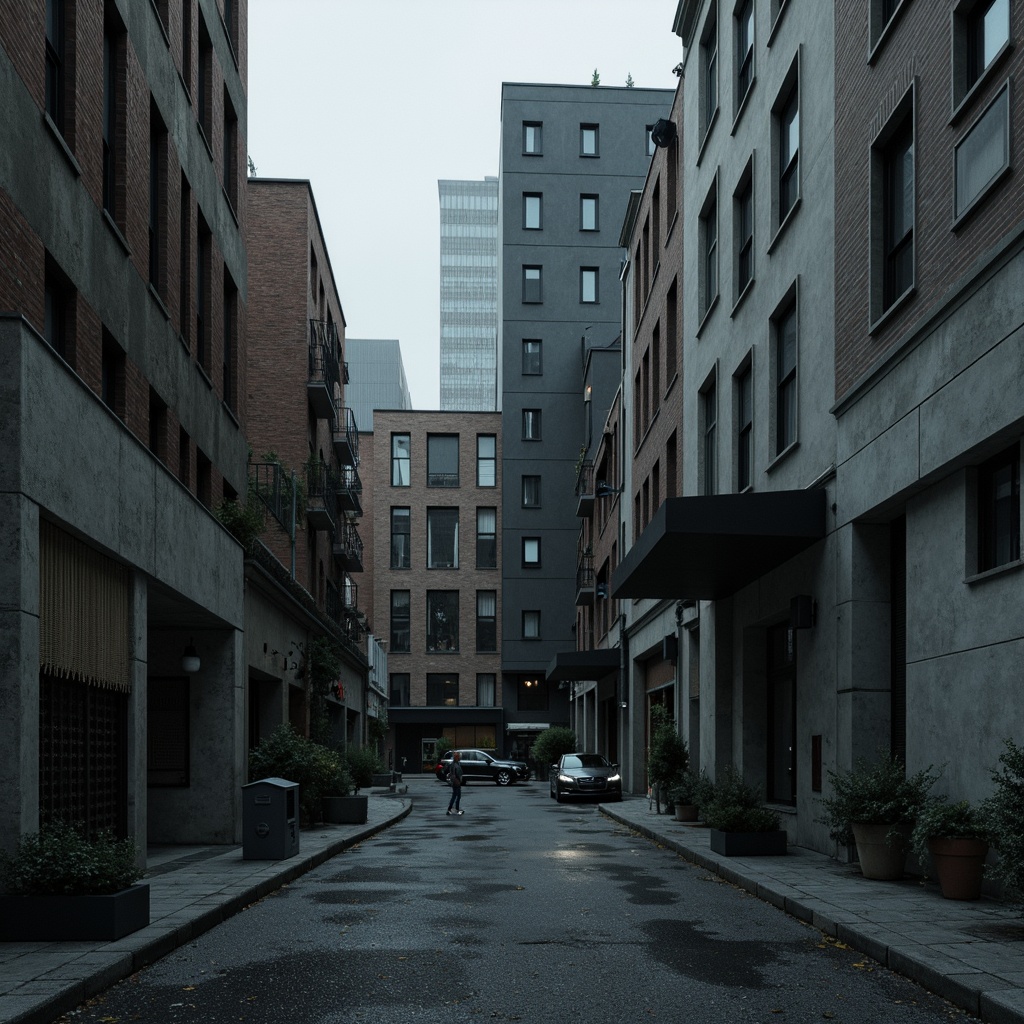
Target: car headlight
615, 778
565, 778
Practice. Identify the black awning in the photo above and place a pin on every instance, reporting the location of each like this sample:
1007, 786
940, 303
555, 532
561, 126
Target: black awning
445, 716
705, 547
583, 664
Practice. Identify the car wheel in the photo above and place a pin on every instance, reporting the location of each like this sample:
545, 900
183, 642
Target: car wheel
559, 797
504, 777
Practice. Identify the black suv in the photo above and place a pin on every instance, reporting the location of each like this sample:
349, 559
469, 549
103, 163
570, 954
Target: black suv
476, 764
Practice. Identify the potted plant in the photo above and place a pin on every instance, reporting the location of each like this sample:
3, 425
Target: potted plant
741, 826
687, 792
874, 805
1004, 810
60, 885
667, 757
363, 765
957, 838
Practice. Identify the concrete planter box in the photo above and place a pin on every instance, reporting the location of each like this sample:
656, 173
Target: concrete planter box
382, 780
748, 844
65, 918
345, 810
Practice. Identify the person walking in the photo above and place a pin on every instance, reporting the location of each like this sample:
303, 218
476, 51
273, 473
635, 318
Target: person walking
455, 778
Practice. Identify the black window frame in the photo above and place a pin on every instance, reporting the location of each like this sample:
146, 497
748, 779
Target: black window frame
999, 514
397, 619
401, 554
398, 461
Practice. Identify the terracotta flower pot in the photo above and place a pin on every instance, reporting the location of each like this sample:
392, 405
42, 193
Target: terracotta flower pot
959, 864
686, 812
880, 859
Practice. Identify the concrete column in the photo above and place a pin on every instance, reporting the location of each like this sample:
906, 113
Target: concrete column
716, 689
138, 720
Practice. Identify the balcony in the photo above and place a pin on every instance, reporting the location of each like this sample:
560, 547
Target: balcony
345, 434
341, 602
324, 374
585, 490
274, 488
349, 488
348, 547
320, 497
585, 580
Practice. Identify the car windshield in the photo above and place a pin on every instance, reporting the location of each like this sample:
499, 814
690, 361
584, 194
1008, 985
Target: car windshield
584, 761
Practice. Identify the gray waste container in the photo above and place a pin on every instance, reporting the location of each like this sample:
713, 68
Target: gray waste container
270, 819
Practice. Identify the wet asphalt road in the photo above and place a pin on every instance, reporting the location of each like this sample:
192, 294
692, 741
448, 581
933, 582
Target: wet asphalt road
520, 910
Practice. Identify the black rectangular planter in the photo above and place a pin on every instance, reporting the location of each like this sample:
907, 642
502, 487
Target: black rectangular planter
748, 844
74, 918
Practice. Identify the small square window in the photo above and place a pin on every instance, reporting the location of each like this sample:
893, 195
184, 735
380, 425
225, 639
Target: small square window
532, 285
532, 211
532, 365
589, 284
533, 138
531, 552
589, 140
588, 213
531, 424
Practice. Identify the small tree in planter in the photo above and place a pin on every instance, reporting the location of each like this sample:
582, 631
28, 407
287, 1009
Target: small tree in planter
875, 805
363, 764
740, 823
1005, 812
957, 837
551, 744
62, 885
667, 756
689, 793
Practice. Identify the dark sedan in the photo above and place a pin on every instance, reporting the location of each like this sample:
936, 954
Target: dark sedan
585, 775
478, 764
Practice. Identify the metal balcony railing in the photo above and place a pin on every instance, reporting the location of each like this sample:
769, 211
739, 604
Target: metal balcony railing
350, 487
585, 489
346, 437
348, 547
323, 379
585, 579
274, 488
321, 511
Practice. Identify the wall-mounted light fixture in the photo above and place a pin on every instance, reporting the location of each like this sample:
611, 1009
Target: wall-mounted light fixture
603, 489
190, 659
588, 392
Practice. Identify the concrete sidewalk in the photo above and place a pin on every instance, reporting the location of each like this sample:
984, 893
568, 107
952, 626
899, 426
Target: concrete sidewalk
971, 953
191, 889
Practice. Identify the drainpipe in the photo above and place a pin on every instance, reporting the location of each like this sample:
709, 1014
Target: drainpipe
293, 524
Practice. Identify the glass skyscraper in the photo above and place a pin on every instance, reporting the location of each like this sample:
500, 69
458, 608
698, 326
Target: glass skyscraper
469, 294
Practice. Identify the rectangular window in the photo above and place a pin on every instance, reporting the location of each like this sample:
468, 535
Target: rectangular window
185, 260
157, 426
442, 690
531, 626
531, 492
442, 538
532, 211
672, 331
744, 50
486, 538
442, 460
400, 622
58, 310
981, 31
203, 246
56, 57
788, 167
401, 460
709, 404
533, 693
112, 389
589, 140
708, 72
532, 365
785, 378
230, 169
744, 428
532, 285
588, 213
651, 147
743, 221
533, 138
399, 686
531, 552
709, 251
114, 105
531, 424
230, 322
486, 690
186, 45
486, 460
588, 284
204, 479
486, 621
999, 510
898, 214
204, 92
401, 552
442, 620
983, 154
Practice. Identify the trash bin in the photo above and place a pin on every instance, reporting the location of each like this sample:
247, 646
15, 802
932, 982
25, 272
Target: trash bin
270, 819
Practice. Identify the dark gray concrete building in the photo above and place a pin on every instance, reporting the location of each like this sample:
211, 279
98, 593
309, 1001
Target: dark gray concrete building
375, 378
570, 156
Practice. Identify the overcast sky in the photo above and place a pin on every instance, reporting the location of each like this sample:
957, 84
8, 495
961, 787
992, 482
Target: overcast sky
375, 100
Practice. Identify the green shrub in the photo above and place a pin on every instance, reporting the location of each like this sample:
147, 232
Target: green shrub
363, 764
552, 743
878, 791
442, 746
667, 756
60, 859
319, 771
692, 788
1005, 812
733, 806
940, 820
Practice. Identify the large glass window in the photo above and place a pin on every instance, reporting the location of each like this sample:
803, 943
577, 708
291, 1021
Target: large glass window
984, 152
531, 624
981, 31
55, 57
486, 620
442, 538
401, 460
442, 460
486, 460
789, 152
400, 638
709, 251
898, 214
708, 72
743, 214
442, 690
999, 510
442, 620
399, 689
486, 538
486, 690
401, 554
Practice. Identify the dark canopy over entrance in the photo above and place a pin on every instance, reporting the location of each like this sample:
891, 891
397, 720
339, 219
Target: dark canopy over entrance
583, 664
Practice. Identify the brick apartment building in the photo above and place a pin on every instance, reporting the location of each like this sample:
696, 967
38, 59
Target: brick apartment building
299, 424
123, 288
436, 558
